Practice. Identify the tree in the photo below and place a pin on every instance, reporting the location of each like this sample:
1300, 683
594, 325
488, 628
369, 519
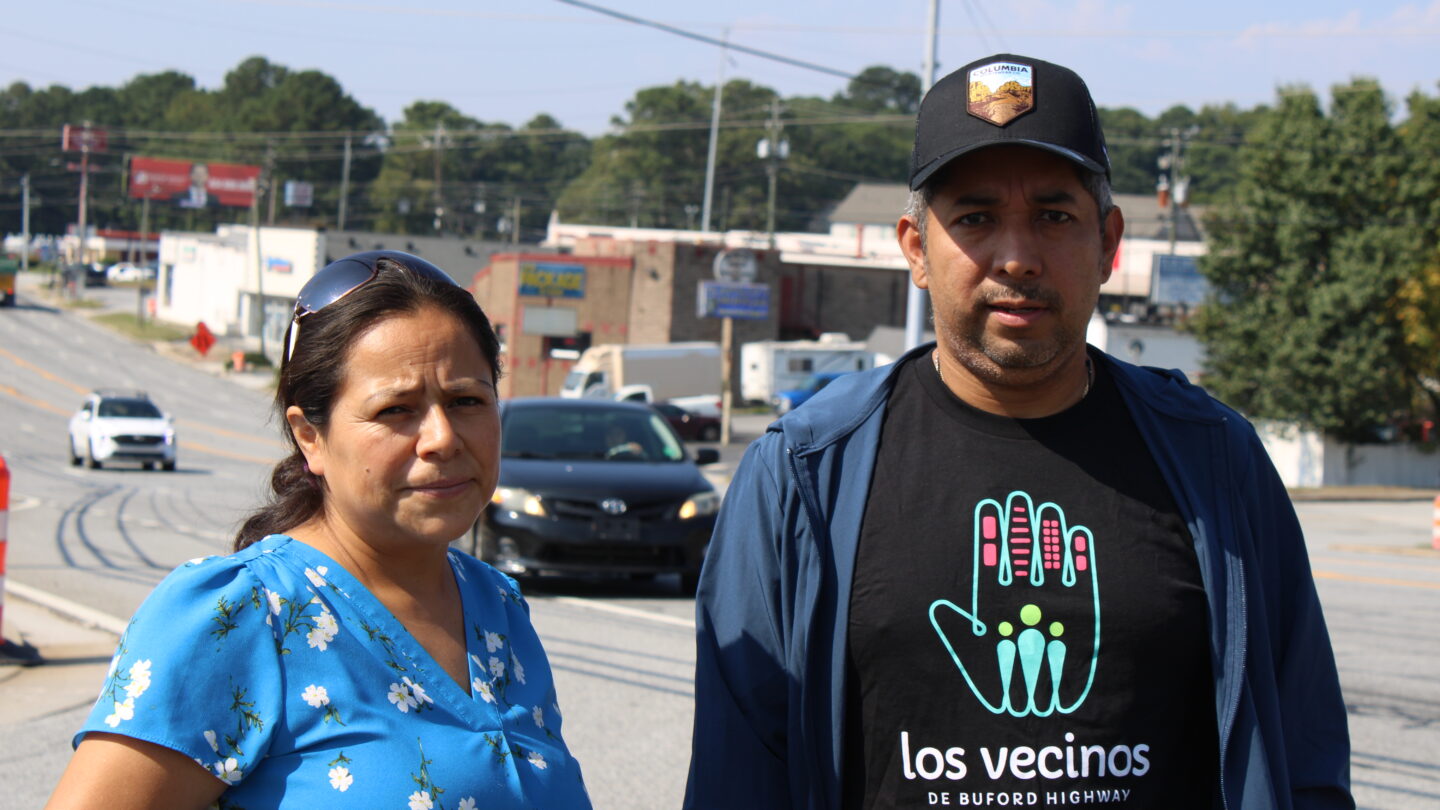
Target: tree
1309, 256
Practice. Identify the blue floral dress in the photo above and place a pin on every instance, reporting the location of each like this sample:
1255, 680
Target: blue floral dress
284, 677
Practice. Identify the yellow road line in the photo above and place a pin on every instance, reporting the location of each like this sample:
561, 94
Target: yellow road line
39, 403
1401, 563
23, 363
215, 451
1399, 583
186, 423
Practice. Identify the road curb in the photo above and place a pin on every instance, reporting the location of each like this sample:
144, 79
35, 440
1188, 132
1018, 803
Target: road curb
74, 611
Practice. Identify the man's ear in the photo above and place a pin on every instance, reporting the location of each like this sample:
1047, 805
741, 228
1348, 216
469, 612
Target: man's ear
312, 444
907, 231
1110, 241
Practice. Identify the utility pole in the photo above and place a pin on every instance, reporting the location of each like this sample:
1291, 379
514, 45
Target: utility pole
714, 140
1174, 186
25, 221
262, 186
916, 302
144, 257
344, 187
439, 199
772, 150
515, 223
84, 194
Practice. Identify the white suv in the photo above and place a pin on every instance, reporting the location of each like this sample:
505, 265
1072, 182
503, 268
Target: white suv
121, 426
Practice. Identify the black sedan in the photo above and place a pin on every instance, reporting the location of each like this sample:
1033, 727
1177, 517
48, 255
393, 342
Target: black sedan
594, 486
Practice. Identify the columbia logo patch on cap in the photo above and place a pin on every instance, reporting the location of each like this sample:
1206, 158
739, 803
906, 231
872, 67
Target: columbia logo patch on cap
1000, 92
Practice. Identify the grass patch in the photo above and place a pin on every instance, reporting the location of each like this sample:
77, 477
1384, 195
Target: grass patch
125, 323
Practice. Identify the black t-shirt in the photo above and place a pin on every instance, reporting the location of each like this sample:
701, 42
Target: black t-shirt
1028, 625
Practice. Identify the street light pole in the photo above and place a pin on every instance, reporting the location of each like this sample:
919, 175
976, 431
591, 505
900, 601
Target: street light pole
916, 302
714, 140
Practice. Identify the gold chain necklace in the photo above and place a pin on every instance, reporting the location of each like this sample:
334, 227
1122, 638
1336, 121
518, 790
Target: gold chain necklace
1089, 371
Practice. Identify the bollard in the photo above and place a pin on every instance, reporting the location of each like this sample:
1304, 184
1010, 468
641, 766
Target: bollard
237, 361
1435, 527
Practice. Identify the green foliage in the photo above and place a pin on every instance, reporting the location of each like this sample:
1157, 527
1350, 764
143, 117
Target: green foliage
1313, 257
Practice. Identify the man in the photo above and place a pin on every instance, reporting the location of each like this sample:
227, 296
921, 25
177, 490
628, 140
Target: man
1010, 569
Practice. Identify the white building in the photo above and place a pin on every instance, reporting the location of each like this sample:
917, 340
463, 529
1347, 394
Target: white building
221, 278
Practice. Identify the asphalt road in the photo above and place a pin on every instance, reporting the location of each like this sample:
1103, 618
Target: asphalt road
622, 651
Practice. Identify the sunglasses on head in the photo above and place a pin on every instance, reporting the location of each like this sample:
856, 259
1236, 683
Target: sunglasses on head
344, 276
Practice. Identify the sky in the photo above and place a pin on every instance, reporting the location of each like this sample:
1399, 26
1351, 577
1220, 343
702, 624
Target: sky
505, 62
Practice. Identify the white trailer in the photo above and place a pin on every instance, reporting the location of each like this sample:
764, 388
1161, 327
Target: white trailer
662, 370
767, 366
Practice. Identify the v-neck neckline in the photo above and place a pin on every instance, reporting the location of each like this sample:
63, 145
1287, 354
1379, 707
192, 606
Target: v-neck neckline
373, 611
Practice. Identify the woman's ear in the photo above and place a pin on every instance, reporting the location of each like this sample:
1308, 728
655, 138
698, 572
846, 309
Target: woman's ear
312, 444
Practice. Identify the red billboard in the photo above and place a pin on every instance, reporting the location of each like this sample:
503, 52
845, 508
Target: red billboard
83, 138
192, 184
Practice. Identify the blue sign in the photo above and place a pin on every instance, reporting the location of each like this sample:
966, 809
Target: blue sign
1177, 280
723, 299
549, 280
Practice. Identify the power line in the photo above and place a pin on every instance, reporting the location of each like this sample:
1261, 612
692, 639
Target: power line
670, 29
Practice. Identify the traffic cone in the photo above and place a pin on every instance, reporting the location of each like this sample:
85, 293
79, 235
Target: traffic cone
1435, 527
10, 652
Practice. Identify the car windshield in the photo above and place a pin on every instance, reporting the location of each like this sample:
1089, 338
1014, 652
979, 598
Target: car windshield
129, 408
560, 432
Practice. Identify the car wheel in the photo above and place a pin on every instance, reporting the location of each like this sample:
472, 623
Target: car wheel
147, 465
711, 433
70, 450
90, 460
167, 466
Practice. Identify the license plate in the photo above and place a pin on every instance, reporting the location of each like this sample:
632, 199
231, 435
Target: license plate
617, 529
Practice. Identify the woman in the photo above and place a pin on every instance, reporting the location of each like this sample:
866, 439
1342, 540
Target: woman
344, 652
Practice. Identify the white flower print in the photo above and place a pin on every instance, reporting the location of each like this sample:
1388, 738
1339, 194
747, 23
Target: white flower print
497, 667
504, 591
467, 803
319, 639
493, 641
316, 696
516, 669
420, 800
535, 759
486, 693
401, 697
139, 679
124, 710
326, 621
274, 599
417, 690
228, 770
316, 576
341, 779
539, 715
213, 740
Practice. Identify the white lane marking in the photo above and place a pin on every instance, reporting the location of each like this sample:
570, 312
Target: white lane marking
22, 503
29, 428
71, 610
619, 610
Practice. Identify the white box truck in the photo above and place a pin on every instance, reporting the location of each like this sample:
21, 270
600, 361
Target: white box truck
689, 372
768, 366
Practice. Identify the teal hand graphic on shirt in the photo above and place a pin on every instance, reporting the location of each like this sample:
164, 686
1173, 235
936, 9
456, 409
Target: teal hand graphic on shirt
1019, 546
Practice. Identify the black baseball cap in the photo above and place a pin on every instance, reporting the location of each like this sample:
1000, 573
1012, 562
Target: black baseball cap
1007, 98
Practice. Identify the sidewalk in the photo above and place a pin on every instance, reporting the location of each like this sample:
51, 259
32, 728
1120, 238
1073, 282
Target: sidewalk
74, 660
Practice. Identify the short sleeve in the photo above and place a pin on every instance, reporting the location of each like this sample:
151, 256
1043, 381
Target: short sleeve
198, 669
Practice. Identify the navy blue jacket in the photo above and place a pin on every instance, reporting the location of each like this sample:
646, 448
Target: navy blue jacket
772, 608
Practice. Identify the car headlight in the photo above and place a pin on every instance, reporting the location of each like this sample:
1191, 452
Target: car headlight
699, 505
515, 499
169, 435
